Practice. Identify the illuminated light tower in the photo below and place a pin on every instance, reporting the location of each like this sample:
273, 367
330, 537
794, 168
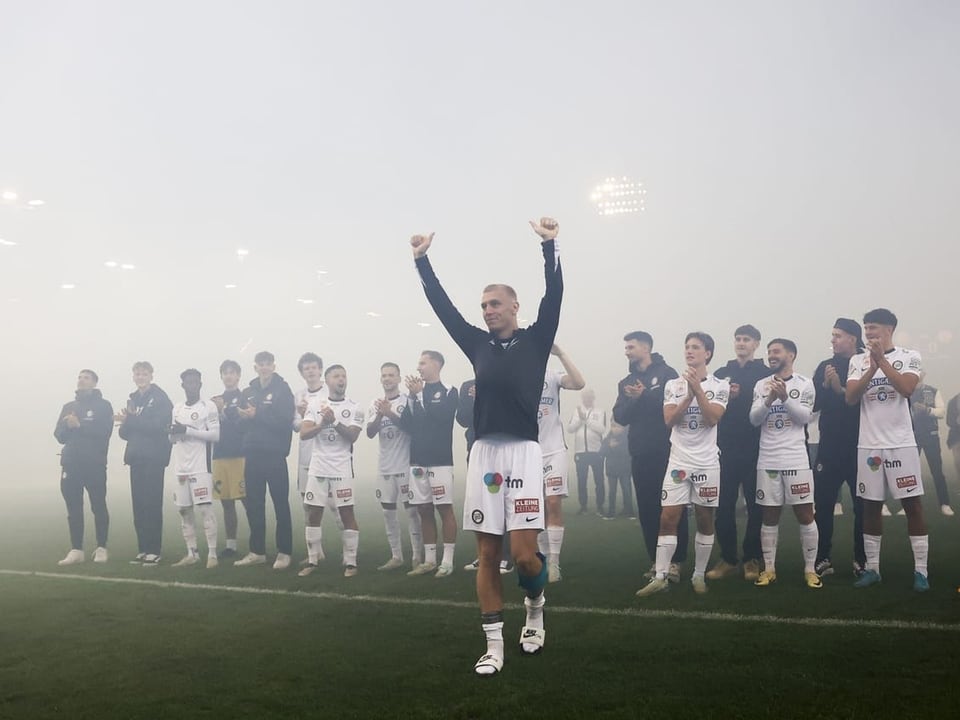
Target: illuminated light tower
242, 254
619, 196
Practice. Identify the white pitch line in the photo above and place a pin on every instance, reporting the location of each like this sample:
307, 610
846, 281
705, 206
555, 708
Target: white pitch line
817, 622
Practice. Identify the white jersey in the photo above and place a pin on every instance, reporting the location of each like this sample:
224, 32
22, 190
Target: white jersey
192, 452
783, 444
885, 421
332, 452
394, 442
693, 443
310, 397
548, 418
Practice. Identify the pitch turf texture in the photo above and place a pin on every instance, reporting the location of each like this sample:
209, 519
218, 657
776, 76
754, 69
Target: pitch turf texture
197, 643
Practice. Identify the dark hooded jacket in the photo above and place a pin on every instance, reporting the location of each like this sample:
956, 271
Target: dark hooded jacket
736, 435
85, 446
147, 428
267, 433
648, 433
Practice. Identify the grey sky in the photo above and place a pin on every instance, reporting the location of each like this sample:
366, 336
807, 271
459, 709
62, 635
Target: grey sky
801, 161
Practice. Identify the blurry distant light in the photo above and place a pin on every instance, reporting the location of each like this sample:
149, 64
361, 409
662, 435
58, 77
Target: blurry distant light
7, 243
127, 266
9, 195
229, 286
371, 313
67, 286
618, 196
305, 301
321, 272
111, 263
317, 327
423, 324
36, 203
242, 253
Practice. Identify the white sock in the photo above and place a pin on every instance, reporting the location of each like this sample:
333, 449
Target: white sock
189, 530
351, 540
921, 548
430, 553
871, 548
392, 523
448, 549
769, 534
494, 633
534, 618
555, 536
809, 539
416, 534
666, 546
210, 529
703, 546
314, 536
543, 544
231, 544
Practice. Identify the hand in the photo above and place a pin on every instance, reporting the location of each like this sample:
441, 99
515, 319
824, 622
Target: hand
556, 351
380, 406
302, 408
734, 391
778, 389
178, 429
218, 401
693, 381
635, 390
247, 413
830, 378
876, 351
414, 384
472, 392
121, 416
327, 416
72, 421
420, 244
547, 228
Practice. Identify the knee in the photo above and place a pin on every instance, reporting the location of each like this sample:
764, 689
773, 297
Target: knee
527, 562
489, 554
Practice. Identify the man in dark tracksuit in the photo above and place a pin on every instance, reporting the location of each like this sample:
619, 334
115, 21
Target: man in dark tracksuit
267, 414
839, 435
640, 406
739, 442
84, 429
927, 409
145, 425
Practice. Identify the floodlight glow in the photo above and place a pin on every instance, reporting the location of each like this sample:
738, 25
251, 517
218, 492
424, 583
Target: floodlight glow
127, 266
618, 196
305, 301
317, 327
321, 272
242, 252
67, 286
373, 314
7, 243
111, 263
36, 203
229, 286
421, 324
8, 195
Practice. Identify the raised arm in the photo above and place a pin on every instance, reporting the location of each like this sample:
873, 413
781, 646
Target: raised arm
548, 316
463, 333
573, 378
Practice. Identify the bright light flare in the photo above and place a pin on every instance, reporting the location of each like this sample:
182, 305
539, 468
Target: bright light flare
68, 286
9, 196
7, 243
618, 196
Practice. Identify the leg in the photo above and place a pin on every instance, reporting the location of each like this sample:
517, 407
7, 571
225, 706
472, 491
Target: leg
230, 521
826, 488
391, 525
153, 513
137, 502
626, 490
350, 538
769, 536
647, 484
612, 484
809, 538
278, 480
917, 529
751, 535
872, 532
931, 449
448, 522
581, 465
490, 596
96, 484
554, 536
703, 545
596, 465
189, 530
210, 531
727, 510
313, 534
255, 503
428, 526
71, 487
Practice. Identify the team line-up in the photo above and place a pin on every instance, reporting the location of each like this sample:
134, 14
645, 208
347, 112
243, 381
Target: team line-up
694, 438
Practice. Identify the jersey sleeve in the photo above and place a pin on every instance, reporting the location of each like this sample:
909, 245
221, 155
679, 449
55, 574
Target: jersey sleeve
758, 408
312, 414
855, 371
914, 364
722, 394
465, 335
670, 393
356, 418
800, 401
548, 316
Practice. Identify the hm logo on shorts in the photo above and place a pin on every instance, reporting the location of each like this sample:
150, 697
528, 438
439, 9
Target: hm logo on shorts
493, 481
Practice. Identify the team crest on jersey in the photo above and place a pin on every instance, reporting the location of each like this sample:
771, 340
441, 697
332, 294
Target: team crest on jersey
194, 416
477, 517
344, 413
709, 394
794, 393
89, 413
309, 496
898, 365
760, 495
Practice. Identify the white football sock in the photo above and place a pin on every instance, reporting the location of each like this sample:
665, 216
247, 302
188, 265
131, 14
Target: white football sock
314, 536
430, 553
809, 539
448, 549
210, 528
351, 540
189, 530
231, 543
703, 546
416, 534
494, 633
392, 523
555, 536
769, 535
534, 618
871, 548
666, 547
921, 548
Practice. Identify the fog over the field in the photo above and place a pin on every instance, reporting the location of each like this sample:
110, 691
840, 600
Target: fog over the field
801, 162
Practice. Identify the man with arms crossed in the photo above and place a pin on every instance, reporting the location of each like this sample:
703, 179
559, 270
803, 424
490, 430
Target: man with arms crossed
509, 365
336, 424
692, 406
393, 482
782, 406
194, 428
882, 379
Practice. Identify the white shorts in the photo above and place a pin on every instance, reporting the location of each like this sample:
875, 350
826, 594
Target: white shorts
683, 485
393, 488
327, 491
431, 485
897, 468
776, 488
191, 490
303, 472
504, 486
555, 474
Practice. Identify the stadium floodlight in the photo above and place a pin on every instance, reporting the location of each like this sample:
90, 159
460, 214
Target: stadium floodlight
7, 243
321, 273
111, 264
618, 196
305, 301
371, 313
127, 266
317, 326
67, 286
9, 195
36, 203
423, 324
229, 286
242, 254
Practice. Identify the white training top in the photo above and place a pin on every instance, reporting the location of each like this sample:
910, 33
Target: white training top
548, 418
885, 421
311, 397
332, 452
693, 443
783, 443
394, 443
191, 453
